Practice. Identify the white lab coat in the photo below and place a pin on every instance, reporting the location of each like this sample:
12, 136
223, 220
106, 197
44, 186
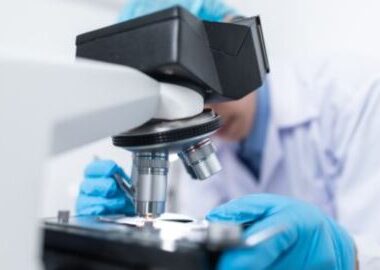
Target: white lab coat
322, 146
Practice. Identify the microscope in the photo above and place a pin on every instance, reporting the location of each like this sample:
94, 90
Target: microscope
196, 62
215, 61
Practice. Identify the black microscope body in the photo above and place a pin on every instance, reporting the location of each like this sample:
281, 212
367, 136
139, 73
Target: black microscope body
221, 61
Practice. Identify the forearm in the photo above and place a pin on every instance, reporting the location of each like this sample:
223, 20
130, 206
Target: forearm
356, 258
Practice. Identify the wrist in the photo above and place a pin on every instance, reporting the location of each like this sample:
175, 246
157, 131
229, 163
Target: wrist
356, 259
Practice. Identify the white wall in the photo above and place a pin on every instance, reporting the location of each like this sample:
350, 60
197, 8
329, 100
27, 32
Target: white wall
298, 27
47, 28
291, 26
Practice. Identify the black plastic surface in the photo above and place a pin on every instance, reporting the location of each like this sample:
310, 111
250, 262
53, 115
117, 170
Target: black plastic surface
220, 60
170, 46
239, 55
80, 249
132, 140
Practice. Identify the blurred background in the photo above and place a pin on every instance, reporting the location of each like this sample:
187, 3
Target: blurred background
292, 27
47, 29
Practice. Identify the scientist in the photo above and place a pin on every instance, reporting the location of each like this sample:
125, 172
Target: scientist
311, 133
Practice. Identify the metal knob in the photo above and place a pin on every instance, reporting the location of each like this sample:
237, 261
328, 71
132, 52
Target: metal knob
63, 216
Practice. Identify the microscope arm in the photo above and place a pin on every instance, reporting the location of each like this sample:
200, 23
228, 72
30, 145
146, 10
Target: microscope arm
47, 108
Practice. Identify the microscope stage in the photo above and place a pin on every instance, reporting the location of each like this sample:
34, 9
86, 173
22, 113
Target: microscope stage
118, 242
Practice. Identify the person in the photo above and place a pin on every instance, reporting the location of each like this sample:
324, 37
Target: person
303, 150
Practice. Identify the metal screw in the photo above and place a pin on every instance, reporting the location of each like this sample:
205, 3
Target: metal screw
63, 216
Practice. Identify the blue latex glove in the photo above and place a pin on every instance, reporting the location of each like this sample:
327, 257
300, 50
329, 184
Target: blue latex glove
99, 192
310, 240
210, 10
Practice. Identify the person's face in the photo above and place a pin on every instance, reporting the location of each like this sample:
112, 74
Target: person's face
237, 116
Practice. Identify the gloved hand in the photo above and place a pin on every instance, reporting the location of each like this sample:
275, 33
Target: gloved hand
310, 240
210, 10
100, 193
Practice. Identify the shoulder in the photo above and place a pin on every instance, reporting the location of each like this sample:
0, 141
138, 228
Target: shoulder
328, 82
324, 69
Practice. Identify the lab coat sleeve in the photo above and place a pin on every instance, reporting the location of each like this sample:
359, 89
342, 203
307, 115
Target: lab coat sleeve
357, 187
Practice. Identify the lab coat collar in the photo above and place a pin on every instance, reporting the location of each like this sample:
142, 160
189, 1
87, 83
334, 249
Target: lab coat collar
291, 101
272, 157
251, 148
291, 105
